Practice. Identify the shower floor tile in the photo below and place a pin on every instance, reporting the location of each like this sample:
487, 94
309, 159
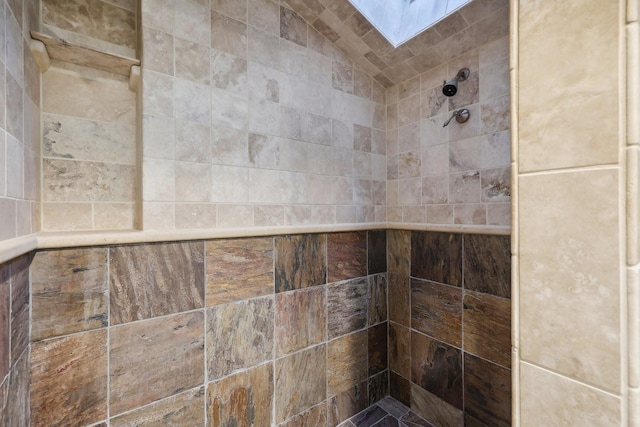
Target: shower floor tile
386, 413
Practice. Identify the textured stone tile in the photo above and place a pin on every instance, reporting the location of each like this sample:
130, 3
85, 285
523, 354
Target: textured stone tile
301, 318
228, 35
393, 407
377, 299
378, 387
153, 280
399, 349
469, 421
437, 367
300, 261
178, 410
399, 293
342, 77
346, 307
399, 251
377, 343
487, 264
235, 9
69, 380
436, 310
93, 18
243, 399
15, 412
239, 335
399, 388
314, 417
5, 319
300, 382
165, 354
487, 327
369, 417
348, 403
238, 269
19, 306
434, 409
487, 391
69, 292
346, 362
437, 257
292, 27
346, 255
377, 251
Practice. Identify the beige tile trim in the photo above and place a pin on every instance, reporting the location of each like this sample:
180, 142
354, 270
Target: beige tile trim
12, 248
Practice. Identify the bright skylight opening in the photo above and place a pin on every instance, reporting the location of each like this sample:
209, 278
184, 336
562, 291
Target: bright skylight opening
401, 20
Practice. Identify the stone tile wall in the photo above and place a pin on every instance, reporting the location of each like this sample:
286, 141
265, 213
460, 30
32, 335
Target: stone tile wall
450, 326
19, 120
256, 331
14, 342
459, 174
89, 122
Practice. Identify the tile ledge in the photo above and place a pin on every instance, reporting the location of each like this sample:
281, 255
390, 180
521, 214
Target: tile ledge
18, 246
503, 230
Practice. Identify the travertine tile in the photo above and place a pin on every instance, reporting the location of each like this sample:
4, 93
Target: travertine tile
228, 35
472, 213
292, 27
229, 109
300, 262
194, 215
487, 391
346, 307
69, 379
180, 409
436, 310
565, 277
192, 101
238, 269
192, 22
245, 398
545, 140
495, 115
66, 216
188, 181
229, 72
464, 187
300, 382
192, 61
239, 335
263, 48
431, 362
166, 354
69, 289
346, 362
232, 8
565, 400
158, 50
301, 318
155, 280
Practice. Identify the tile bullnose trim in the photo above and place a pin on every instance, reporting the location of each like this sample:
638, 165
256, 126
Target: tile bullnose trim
13, 248
500, 230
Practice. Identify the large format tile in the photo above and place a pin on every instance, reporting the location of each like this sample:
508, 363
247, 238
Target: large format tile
346, 362
378, 386
400, 388
239, 336
547, 59
19, 306
5, 319
300, 261
377, 251
69, 380
436, 310
569, 286
435, 410
301, 319
300, 382
346, 404
487, 327
399, 251
155, 279
399, 297
238, 269
437, 257
437, 367
399, 349
487, 391
346, 307
19, 393
564, 401
242, 399
487, 264
377, 299
346, 255
69, 292
155, 359
178, 410
378, 344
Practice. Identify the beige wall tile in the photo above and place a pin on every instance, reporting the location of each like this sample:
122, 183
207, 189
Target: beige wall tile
235, 216
195, 215
564, 401
111, 216
570, 315
571, 83
67, 216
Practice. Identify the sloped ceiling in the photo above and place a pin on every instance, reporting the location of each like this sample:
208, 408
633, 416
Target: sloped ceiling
479, 22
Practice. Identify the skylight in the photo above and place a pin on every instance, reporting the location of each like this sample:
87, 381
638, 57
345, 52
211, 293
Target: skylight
400, 20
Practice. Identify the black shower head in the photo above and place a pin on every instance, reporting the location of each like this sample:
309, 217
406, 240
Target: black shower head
450, 88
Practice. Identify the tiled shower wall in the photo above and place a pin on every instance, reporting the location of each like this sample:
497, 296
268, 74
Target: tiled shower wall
19, 120
261, 331
250, 117
287, 330
450, 326
89, 117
